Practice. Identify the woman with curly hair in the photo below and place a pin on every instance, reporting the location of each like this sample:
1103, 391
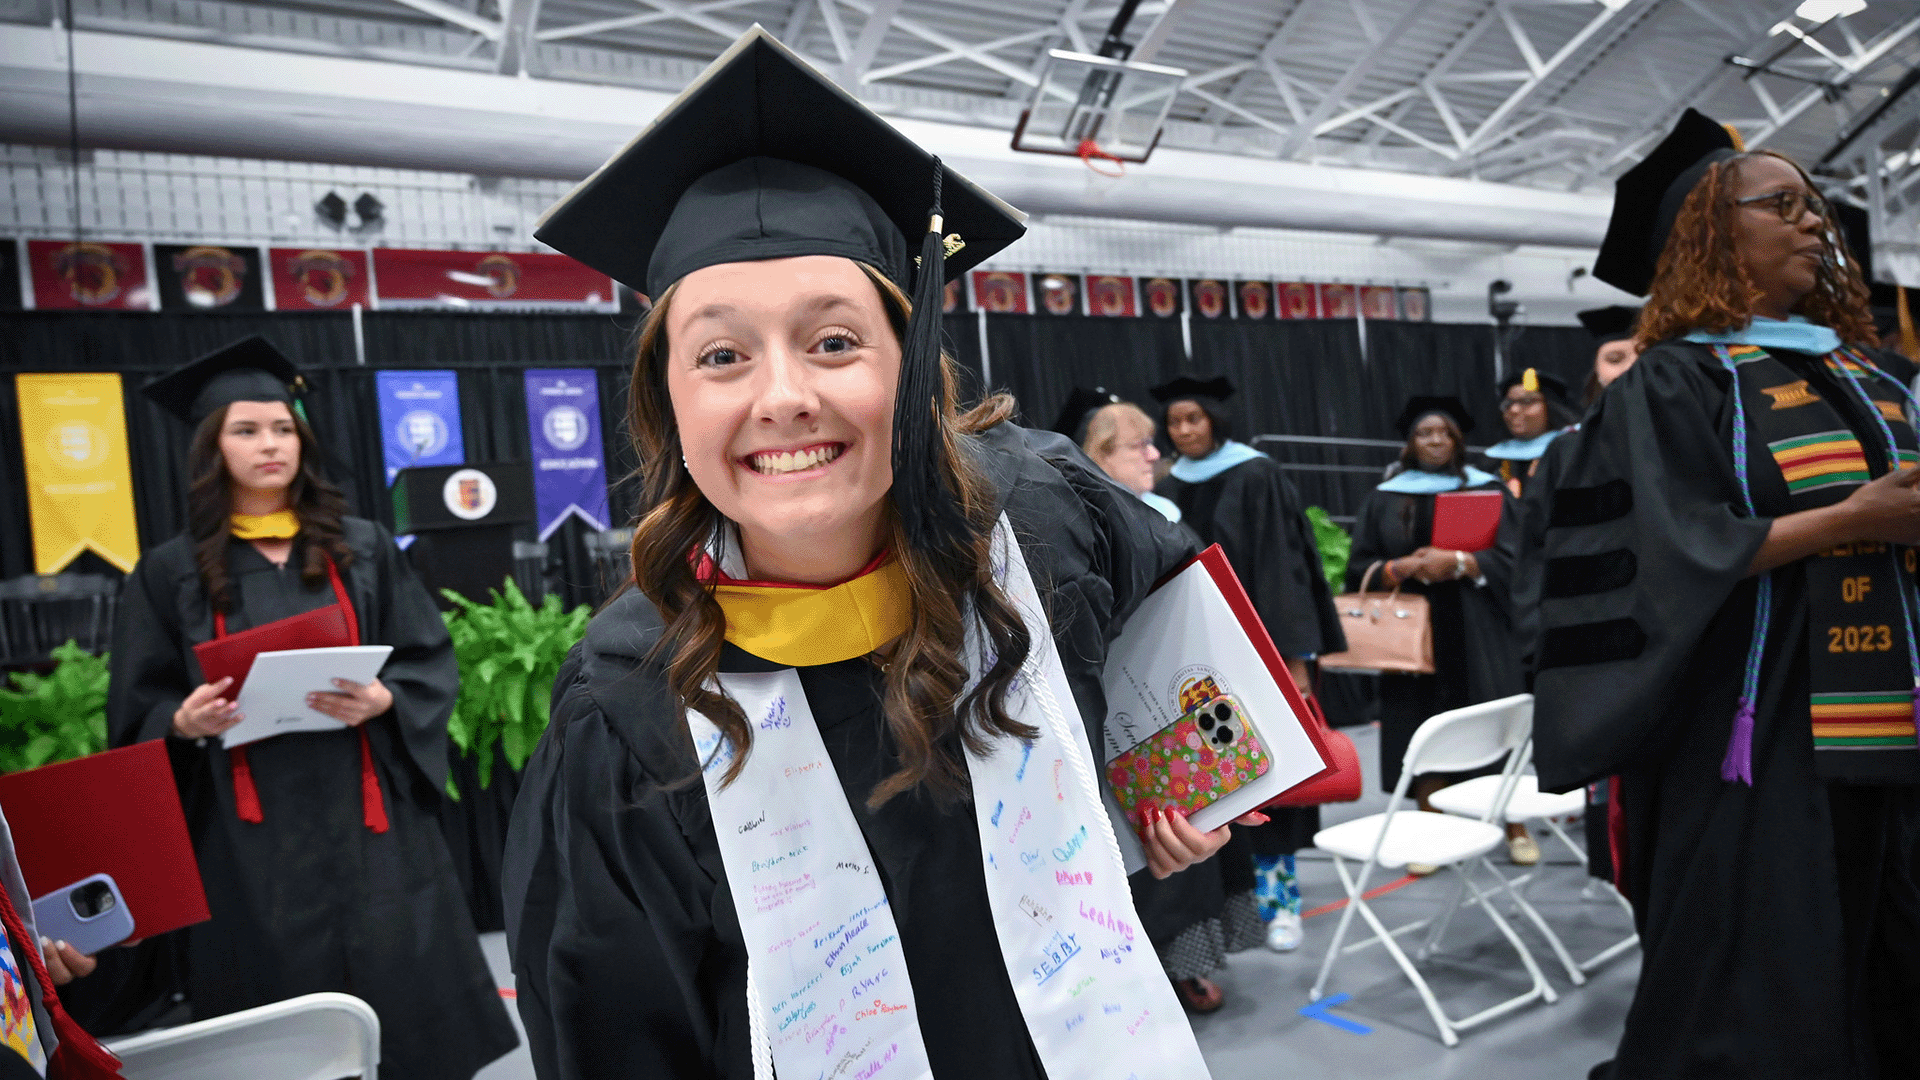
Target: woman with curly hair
321, 853
1728, 612
819, 795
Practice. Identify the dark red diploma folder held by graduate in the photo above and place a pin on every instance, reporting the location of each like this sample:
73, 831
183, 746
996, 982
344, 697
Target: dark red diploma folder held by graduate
1466, 520
114, 813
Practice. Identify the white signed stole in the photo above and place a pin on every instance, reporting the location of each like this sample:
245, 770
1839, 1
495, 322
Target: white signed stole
828, 994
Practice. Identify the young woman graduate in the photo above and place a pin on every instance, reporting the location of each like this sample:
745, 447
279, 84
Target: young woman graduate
323, 861
1235, 496
1728, 612
818, 793
1474, 654
1536, 409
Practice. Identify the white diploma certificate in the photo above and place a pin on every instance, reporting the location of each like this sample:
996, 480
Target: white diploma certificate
274, 697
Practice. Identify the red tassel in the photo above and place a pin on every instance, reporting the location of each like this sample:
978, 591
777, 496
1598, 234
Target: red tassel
246, 798
1617, 835
78, 1057
373, 808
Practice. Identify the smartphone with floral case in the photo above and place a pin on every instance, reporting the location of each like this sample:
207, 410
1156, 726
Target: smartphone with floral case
1193, 762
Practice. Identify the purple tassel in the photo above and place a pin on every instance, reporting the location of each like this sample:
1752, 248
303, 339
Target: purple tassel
1738, 764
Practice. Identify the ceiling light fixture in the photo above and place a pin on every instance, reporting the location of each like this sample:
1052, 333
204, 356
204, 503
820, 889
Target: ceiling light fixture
1820, 11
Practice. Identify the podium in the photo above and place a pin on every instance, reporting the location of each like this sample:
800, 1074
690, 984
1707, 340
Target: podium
462, 518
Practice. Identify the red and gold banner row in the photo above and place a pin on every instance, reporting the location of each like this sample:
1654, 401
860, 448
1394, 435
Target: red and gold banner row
1124, 296
97, 275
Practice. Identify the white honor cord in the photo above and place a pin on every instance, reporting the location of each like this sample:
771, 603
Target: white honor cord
757, 1031
1070, 737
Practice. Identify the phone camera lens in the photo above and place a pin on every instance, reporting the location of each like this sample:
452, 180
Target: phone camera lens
1223, 712
1205, 722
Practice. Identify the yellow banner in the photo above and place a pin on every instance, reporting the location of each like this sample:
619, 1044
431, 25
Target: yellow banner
73, 429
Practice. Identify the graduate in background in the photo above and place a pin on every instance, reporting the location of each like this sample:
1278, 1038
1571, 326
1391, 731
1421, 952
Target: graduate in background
1194, 919
1235, 496
1475, 657
818, 793
1614, 347
324, 864
1536, 409
1727, 624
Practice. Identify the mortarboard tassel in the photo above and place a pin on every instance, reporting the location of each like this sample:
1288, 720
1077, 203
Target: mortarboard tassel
1530, 381
927, 505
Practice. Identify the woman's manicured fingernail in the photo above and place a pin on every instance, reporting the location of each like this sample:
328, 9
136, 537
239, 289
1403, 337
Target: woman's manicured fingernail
1262, 819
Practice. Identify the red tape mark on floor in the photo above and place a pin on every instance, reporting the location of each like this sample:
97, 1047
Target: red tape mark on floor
1368, 895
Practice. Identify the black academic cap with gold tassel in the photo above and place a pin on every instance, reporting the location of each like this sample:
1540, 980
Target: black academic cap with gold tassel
763, 157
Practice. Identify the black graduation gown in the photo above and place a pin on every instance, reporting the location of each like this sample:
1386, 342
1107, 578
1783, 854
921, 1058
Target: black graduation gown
309, 899
1475, 658
625, 942
1254, 513
1780, 922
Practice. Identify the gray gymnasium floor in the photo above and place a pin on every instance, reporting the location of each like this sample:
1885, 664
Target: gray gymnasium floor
1261, 1035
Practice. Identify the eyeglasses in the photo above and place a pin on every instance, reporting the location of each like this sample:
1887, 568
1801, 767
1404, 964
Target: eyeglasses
1521, 402
1789, 204
1137, 447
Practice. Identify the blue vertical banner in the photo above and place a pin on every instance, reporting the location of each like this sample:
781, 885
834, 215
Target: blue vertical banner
569, 470
419, 419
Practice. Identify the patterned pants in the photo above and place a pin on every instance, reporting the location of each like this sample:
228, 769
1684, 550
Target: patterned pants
1275, 885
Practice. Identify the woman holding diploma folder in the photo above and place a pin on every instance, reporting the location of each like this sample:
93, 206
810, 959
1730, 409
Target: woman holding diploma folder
322, 858
820, 793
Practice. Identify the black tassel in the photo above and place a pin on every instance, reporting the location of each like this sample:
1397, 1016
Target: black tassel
922, 493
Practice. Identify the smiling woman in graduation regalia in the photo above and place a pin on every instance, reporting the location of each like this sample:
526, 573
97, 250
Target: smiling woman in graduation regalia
1727, 612
323, 862
818, 793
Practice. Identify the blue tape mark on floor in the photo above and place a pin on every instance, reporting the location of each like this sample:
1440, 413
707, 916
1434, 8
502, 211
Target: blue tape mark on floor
1321, 1011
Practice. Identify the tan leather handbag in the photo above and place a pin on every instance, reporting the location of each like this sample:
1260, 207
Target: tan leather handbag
1385, 631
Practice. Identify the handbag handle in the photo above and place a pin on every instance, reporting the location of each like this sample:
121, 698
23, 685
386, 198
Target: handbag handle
1366, 579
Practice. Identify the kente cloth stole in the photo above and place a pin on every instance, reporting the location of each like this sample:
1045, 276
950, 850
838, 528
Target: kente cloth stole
1861, 597
828, 991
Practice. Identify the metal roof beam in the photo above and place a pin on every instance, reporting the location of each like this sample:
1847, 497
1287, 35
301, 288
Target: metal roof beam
458, 16
1266, 59
894, 71
960, 49
867, 46
1876, 53
519, 19
627, 22
1542, 70
1354, 76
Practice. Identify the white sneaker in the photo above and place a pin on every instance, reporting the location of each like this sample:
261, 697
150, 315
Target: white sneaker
1284, 932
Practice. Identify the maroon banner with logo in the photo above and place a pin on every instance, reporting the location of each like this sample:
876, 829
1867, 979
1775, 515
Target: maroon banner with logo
953, 299
487, 281
1162, 297
1113, 295
1255, 299
1000, 292
1379, 302
1416, 305
1056, 294
208, 277
1209, 298
1297, 300
88, 275
319, 279
1338, 301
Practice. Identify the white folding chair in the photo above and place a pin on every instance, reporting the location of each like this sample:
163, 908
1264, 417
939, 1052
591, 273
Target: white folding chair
312, 1037
1482, 798
1456, 741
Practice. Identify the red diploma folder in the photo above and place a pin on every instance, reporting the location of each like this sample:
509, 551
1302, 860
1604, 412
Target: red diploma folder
114, 813
233, 655
1466, 520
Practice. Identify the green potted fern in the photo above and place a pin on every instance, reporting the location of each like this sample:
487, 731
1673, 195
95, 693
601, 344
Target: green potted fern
509, 652
54, 717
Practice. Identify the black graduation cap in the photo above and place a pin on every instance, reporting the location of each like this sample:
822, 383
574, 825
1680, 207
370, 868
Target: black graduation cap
1610, 323
763, 157
1647, 198
1218, 388
1081, 404
1856, 234
1421, 405
1550, 386
247, 370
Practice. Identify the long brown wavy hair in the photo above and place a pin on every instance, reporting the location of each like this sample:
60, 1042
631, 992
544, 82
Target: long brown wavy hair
312, 497
926, 702
1700, 284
